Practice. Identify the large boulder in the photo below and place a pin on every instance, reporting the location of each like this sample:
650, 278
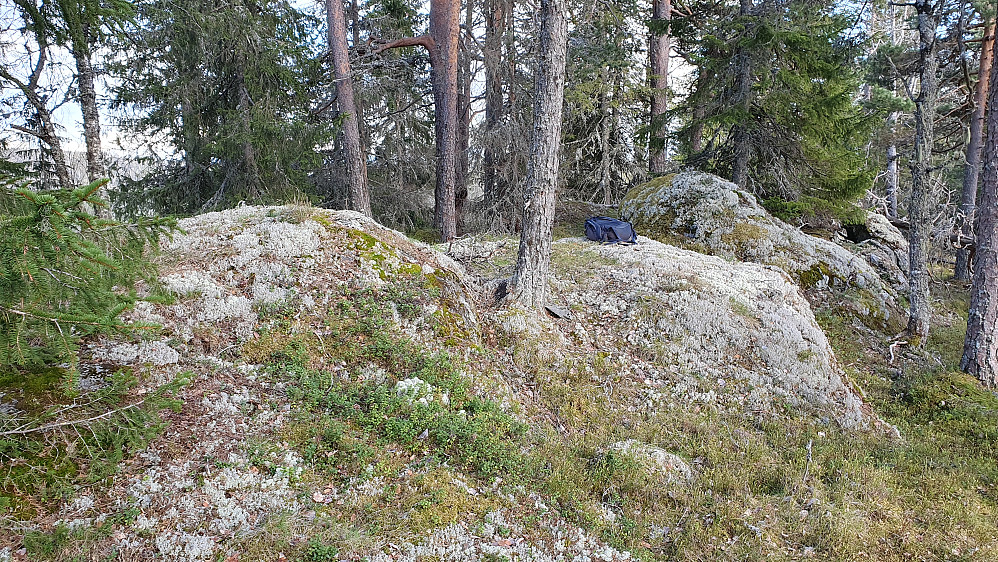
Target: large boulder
883, 246
700, 329
706, 213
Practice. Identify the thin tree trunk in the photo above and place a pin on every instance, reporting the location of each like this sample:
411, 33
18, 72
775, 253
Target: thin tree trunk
604, 147
360, 199
45, 131
972, 168
892, 181
249, 153
658, 53
921, 166
464, 115
741, 134
529, 281
355, 21
980, 348
91, 117
496, 18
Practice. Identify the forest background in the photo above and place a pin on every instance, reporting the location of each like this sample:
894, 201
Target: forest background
422, 115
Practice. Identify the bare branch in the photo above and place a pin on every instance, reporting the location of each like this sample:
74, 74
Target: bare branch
422, 40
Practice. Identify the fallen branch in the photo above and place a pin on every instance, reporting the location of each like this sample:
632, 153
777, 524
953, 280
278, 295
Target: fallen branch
55, 425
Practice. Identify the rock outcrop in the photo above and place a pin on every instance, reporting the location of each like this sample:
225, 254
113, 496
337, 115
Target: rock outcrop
706, 213
883, 246
699, 328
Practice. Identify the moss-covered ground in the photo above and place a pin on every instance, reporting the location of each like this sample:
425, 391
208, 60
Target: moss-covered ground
384, 467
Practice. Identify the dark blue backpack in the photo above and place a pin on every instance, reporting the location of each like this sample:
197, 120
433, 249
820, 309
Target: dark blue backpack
610, 231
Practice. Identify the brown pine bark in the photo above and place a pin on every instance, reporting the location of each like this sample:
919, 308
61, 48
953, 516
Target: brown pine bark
972, 168
339, 51
496, 21
980, 348
658, 54
444, 32
442, 45
464, 114
529, 281
919, 313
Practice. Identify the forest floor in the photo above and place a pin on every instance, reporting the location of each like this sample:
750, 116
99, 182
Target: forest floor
348, 397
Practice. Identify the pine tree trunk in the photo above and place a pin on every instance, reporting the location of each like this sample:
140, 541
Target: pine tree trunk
91, 116
496, 17
444, 32
741, 137
360, 199
658, 53
529, 281
921, 166
980, 348
972, 168
464, 116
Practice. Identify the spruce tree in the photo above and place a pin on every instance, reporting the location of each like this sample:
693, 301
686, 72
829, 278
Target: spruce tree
64, 272
772, 101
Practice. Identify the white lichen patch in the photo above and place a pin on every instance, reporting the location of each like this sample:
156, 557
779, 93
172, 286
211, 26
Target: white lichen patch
502, 537
157, 353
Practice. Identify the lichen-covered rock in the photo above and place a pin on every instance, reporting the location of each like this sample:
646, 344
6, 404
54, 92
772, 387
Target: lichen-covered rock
884, 247
655, 460
709, 214
701, 329
231, 263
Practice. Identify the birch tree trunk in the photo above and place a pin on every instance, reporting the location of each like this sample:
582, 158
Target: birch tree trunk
972, 168
360, 199
980, 348
921, 166
892, 180
529, 281
658, 54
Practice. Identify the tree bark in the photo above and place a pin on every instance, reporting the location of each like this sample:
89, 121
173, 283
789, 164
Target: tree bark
445, 32
91, 116
360, 199
658, 54
529, 281
972, 168
464, 115
980, 348
741, 133
892, 181
249, 152
496, 18
442, 45
921, 167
